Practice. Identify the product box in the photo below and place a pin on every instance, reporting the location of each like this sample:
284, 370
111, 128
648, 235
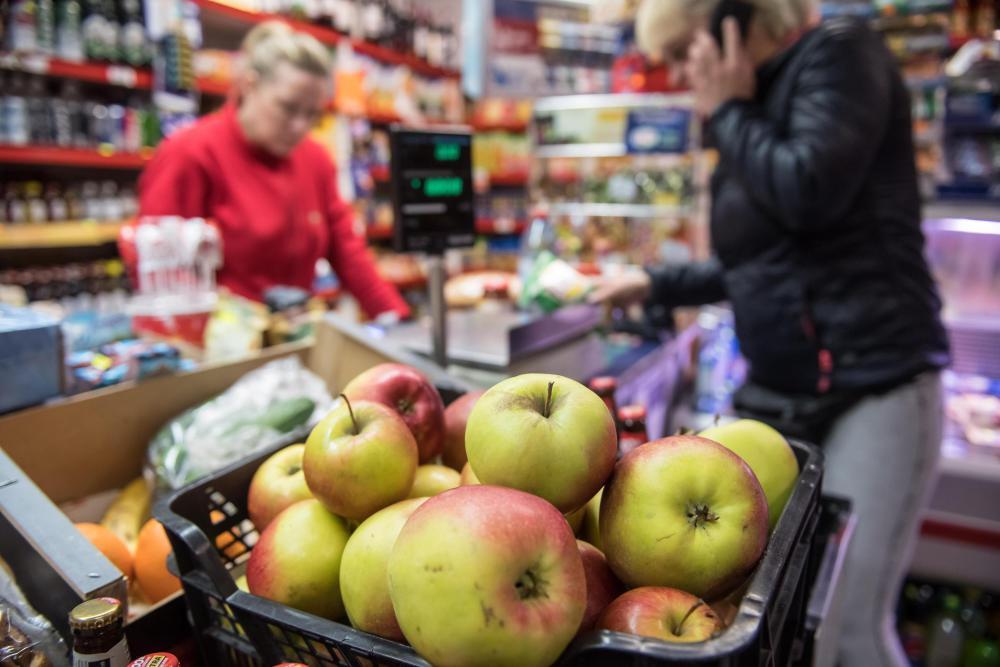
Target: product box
30, 358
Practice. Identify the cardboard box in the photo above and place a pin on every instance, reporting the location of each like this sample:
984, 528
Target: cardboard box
96, 442
30, 358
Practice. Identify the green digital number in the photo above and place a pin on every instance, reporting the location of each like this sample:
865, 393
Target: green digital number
447, 152
443, 187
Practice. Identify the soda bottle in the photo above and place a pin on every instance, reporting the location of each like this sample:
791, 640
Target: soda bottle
633, 428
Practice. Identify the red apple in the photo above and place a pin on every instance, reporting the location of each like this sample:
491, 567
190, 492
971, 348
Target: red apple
411, 395
296, 561
602, 584
360, 458
455, 417
278, 483
486, 575
662, 613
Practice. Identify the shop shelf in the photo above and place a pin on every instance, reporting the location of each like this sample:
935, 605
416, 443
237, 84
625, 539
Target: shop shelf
58, 234
73, 157
91, 72
514, 126
618, 210
237, 628
489, 226
328, 36
207, 86
581, 150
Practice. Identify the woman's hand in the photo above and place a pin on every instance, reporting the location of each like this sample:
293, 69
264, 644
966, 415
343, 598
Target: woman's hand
626, 288
716, 77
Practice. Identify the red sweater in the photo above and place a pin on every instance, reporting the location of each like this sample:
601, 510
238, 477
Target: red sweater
277, 216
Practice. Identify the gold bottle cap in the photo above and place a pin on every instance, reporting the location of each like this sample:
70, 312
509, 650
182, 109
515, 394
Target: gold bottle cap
96, 614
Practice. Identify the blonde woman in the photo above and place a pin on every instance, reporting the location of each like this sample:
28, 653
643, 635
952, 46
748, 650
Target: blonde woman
815, 227
272, 191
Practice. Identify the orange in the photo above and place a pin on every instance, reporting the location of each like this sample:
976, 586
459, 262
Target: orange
108, 544
151, 553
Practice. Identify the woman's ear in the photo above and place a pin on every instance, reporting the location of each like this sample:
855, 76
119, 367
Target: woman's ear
246, 82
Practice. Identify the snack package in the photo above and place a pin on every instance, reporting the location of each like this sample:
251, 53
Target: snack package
27, 639
552, 283
263, 407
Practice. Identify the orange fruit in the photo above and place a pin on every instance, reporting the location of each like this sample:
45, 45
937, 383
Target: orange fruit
151, 553
108, 544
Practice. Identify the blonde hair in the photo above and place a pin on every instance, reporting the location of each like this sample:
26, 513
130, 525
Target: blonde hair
661, 23
273, 42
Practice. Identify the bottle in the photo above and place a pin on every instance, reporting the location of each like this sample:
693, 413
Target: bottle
133, 45
20, 30
605, 387
38, 212
62, 121
40, 131
946, 635
94, 31
17, 206
45, 27
56, 203
98, 634
15, 112
156, 660
69, 30
633, 429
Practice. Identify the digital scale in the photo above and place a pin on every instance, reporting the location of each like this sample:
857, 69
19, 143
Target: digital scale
433, 207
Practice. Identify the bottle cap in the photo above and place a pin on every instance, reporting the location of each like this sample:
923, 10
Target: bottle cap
604, 383
96, 614
632, 413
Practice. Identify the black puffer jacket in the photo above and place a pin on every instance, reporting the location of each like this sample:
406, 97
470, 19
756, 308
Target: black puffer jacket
816, 223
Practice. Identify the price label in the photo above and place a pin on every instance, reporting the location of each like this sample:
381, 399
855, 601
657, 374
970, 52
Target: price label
120, 75
36, 64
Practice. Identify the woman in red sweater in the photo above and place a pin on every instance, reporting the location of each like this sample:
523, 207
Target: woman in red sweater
271, 190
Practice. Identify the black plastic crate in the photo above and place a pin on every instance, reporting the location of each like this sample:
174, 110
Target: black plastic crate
210, 533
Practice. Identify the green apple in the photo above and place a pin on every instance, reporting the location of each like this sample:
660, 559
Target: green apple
663, 613
364, 581
543, 434
769, 456
487, 576
591, 530
278, 483
360, 458
683, 512
432, 479
296, 561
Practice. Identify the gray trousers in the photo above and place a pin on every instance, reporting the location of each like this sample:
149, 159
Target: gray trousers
882, 454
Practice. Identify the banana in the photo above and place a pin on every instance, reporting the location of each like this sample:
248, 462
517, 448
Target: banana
129, 512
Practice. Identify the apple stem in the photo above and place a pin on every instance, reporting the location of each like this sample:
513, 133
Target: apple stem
680, 626
548, 400
350, 411
717, 418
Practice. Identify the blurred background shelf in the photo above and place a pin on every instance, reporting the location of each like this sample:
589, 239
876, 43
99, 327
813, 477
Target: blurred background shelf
72, 157
78, 234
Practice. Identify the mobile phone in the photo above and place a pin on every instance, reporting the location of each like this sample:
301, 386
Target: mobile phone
740, 10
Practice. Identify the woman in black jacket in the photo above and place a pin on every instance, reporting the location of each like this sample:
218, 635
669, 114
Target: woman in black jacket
817, 244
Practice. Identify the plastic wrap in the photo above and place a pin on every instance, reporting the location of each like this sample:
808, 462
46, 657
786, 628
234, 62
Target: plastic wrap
27, 639
262, 408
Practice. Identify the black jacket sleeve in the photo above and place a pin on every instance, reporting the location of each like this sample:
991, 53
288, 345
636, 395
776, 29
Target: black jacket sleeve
810, 172
691, 284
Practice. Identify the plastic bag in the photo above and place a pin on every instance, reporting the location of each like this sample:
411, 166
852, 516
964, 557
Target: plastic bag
553, 283
262, 408
27, 639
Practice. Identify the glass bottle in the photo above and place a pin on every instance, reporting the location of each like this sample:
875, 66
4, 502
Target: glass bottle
946, 635
633, 428
69, 30
98, 634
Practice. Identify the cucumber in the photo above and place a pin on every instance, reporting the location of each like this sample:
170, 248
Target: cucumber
283, 416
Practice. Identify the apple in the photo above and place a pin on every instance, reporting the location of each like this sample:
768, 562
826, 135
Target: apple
769, 456
591, 530
683, 512
296, 561
360, 458
663, 613
486, 575
411, 395
432, 479
543, 434
455, 417
364, 581
602, 585
278, 483
468, 477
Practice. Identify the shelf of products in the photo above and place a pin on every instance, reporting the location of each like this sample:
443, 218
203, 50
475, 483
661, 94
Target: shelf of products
90, 72
73, 157
58, 235
329, 37
617, 210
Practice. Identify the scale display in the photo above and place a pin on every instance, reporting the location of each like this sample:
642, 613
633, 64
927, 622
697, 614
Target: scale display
433, 199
